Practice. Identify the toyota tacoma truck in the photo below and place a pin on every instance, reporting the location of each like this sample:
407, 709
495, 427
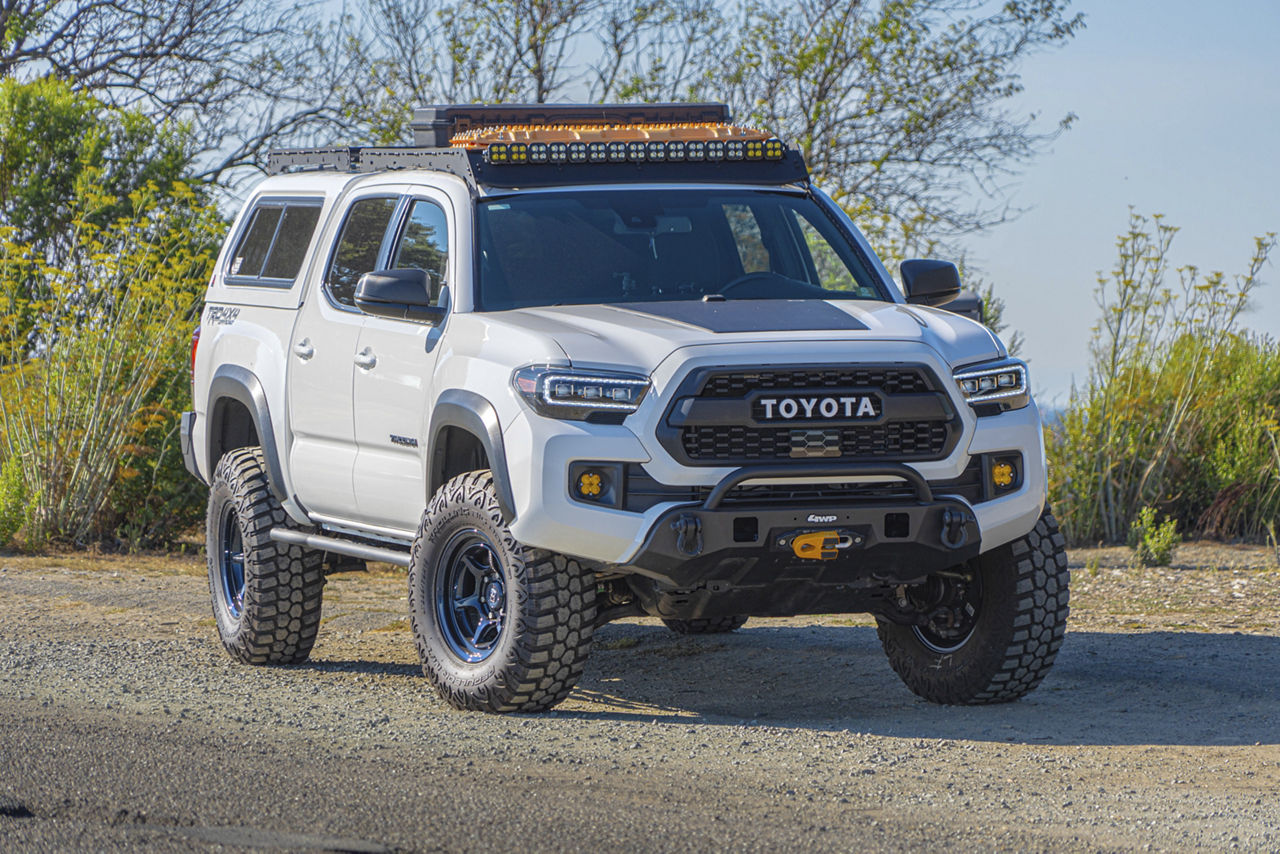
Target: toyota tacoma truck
570, 364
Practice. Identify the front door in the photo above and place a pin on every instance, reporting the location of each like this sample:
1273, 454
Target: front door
392, 385
322, 363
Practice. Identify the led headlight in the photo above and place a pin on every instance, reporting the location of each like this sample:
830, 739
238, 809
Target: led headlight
1001, 385
537, 152
578, 395
675, 150
695, 150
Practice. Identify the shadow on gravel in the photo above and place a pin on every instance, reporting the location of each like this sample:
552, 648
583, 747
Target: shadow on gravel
372, 668
1164, 688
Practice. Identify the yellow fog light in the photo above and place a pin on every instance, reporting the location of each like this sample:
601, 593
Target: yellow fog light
1002, 475
589, 485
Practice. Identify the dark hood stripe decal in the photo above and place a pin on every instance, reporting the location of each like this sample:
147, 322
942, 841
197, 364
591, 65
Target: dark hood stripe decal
760, 315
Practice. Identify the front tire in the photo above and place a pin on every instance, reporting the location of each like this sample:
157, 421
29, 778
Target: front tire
266, 595
1010, 608
499, 627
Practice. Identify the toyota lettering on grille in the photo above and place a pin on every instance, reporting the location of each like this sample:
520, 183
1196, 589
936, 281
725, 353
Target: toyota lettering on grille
841, 407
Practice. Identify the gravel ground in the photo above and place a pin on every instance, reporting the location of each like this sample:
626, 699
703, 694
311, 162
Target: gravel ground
123, 724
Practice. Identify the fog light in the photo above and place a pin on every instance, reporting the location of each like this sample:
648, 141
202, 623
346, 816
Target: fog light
1004, 473
590, 484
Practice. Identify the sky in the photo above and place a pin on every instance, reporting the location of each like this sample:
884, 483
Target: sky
1178, 107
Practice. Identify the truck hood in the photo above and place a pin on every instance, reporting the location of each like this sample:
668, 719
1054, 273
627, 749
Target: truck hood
640, 335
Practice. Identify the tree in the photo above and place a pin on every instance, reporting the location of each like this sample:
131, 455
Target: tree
900, 107
104, 252
238, 73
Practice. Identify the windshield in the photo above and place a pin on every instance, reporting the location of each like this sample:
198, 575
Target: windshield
611, 246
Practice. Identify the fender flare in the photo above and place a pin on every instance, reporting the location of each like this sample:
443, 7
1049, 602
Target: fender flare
234, 382
474, 414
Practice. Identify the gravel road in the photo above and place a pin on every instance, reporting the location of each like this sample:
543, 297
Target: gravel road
123, 724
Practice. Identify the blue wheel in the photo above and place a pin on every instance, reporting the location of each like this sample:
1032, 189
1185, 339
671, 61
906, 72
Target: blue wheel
266, 595
471, 596
499, 627
231, 562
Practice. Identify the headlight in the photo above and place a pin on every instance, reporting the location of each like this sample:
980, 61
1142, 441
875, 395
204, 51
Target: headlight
579, 395
1000, 386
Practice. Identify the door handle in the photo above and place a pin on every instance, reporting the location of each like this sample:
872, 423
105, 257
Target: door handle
303, 349
365, 358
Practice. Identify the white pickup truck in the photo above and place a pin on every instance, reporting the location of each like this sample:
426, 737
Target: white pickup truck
575, 363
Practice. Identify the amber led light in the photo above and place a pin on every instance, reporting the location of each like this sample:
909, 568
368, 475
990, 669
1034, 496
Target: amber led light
589, 485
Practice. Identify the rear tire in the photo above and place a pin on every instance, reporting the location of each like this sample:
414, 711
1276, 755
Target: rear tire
706, 625
266, 595
1020, 592
499, 627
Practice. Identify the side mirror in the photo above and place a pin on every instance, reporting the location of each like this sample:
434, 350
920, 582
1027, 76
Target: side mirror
399, 294
930, 282
968, 304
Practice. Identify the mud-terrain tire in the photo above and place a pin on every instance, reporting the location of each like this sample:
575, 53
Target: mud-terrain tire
706, 625
1021, 621
499, 627
266, 595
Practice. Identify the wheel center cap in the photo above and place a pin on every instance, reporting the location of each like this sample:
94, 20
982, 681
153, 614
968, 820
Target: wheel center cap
493, 596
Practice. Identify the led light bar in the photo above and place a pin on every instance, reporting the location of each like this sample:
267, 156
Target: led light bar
513, 145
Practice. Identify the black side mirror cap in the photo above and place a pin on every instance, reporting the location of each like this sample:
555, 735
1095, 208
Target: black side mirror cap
400, 294
930, 282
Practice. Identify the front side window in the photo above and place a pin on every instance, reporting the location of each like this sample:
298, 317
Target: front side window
424, 242
274, 244
624, 246
356, 252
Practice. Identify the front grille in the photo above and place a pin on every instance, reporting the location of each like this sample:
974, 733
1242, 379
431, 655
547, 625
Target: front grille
891, 380
895, 437
900, 440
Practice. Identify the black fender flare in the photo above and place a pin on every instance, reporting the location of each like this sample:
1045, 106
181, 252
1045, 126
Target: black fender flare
234, 382
469, 411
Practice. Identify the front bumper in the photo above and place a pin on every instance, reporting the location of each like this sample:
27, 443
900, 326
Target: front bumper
720, 547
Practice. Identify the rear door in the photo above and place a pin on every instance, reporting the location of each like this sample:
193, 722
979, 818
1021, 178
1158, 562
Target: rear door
393, 383
322, 356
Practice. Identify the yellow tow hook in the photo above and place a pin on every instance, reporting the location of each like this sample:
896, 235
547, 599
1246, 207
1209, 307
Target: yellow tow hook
820, 545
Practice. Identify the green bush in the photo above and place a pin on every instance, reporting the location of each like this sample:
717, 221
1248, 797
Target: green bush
15, 503
1182, 407
1152, 543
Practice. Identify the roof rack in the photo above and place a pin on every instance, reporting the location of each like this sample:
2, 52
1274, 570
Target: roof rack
371, 159
502, 146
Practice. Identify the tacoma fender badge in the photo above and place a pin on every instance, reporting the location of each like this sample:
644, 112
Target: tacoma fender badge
406, 441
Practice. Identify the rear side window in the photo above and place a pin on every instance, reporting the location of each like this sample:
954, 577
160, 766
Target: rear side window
272, 247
